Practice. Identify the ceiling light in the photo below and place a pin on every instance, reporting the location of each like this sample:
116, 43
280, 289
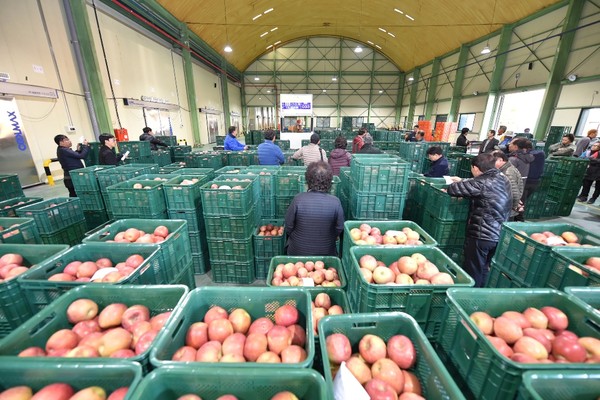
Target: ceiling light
382, 30
381, 91
398, 11
257, 17
268, 11
379, 47
324, 90
264, 34
276, 43
409, 17
274, 29
228, 49
268, 91
358, 49
269, 46
391, 34
368, 41
334, 78
410, 79
256, 78
486, 50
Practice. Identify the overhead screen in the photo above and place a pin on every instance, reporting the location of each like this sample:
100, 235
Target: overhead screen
293, 105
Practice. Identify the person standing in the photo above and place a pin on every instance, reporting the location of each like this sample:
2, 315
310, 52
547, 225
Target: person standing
514, 177
314, 219
311, 152
409, 137
592, 174
339, 157
368, 147
70, 159
268, 152
107, 154
586, 142
462, 138
439, 163
231, 142
490, 195
419, 137
519, 157
148, 136
564, 148
359, 141
490, 143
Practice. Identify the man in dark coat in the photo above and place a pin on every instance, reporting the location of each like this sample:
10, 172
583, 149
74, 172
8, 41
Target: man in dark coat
148, 135
490, 195
462, 138
107, 155
70, 159
490, 144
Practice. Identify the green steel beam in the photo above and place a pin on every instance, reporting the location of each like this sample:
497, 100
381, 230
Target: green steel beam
85, 41
339, 82
225, 95
413, 95
553, 85
458, 83
400, 97
435, 69
371, 88
502, 55
245, 106
190, 89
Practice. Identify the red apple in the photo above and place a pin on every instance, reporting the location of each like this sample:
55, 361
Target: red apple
372, 348
557, 320
240, 320
133, 315
215, 312
380, 390
401, 350
197, 335
286, 315
338, 348
54, 391
82, 310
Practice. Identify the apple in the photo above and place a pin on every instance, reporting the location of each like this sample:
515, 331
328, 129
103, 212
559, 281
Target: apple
17, 393
162, 231
215, 312
54, 391
500, 345
119, 394
82, 310
83, 351
484, 322
293, 354
158, 321
323, 300
185, 353
407, 265
380, 390
359, 368
338, 348
388, 371
298, 335
411, 383
401, 350
133, 315
286, 315
536, 318
557, 320
234, 344
566, 348
32, 352
531, 347
507, 329
219, 329
367, 261
90, 393
113, 340
197, 335
11, 258
284, 396
84, 328
278, 338
63, 339
209, 352
255, 345
442, 278
383, 275
372, 348
269, 357
261, 325
111, 315
538, 335
591, 345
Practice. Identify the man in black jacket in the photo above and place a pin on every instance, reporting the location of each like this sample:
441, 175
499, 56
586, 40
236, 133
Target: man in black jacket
70, 159
491, 203
107, 155
148, 135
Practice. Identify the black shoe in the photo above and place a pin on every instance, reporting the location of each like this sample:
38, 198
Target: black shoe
591, 201
582, 199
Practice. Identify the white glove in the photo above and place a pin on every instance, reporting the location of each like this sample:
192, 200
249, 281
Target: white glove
125, 155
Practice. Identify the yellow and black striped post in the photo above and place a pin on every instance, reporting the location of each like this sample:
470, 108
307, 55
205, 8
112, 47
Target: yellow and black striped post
47, 170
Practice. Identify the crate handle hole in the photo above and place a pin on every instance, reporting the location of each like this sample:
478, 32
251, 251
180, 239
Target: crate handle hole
43, 323
592, 324
363, 325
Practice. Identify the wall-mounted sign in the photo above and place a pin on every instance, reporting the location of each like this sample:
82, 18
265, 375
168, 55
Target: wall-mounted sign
149, 104
292, 105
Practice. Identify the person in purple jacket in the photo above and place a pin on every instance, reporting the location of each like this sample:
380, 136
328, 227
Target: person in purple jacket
339, 157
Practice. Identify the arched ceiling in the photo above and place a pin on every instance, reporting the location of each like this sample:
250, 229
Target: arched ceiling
421, 29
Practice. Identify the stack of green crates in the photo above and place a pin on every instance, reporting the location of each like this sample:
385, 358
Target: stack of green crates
59, 220
220, 140
283, 144
289, 161
161, 157
415, 153
344, 190
171, 168
554, 135
178, 152
93, 155
463, 164
203, 159
10, 187
379, 187
230, 219
86, 185
168, 140
139, 151
8, 208
287, 185
127, 201
266, 247
566, 183
244, 158
539, 205
266, 175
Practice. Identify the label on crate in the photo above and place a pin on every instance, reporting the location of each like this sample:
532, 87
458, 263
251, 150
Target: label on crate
308, 282
346, 386
101, 273
555, 241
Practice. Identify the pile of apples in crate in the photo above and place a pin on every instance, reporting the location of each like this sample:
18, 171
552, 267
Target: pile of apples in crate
415, 269
116, 331
133, 235
537, 336
381, 368
566, 238
366, 235
292, 274
279, 396
14, 205
322, 306
11, 265
62, 391
234, 337
101, 270
269, 230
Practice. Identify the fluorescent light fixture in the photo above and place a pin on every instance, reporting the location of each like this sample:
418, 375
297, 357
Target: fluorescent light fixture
486, 50
269, 46
379, 47
276, 43
268, 91
409, 17
256, 78
274, 29
358, 49
371, 43
391, 34
410, 79
228, 49
398, 11
381, 91
324, 90
382, 30
264, 34
334, 78
256, 17
268, 11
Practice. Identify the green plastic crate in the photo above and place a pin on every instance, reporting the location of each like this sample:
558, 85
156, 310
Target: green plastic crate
220, 140
8, 208
244, 175
40, 292
456, 253
135, 148
425, 303
489, 374
91, 200
268, 246
179, 151
54, 214
208, 172
173, 168
266, 177
445, 207
158, 177
108, 374
198, 242
219, 202
258, 384
370, 205
139, 160
258, 302
261, 267
497, 278
243, 157
561, 385
286, 181
184, 197
174, 251
329, 261
335, 184
282, 203
14, 308
230, 169
10, 187
94, 219
122, 173
238, 272
525, 259
70, 235
446, 233
571, 166
283, 144
85, 180
231, 227
567, 268
161, 157
194, 219
19, 231
231, 249
204, 160
126, 200
200, 263
379, 175
588, 295
170, 140
436, 382
37, 330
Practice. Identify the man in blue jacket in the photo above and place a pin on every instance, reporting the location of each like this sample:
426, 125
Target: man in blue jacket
231, 142
70, 159
268, 152
439, 163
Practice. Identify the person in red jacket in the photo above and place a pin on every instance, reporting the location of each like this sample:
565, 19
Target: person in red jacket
359, 140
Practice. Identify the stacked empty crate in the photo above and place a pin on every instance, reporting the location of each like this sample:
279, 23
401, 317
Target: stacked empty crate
178, 152
203, 159
415, 153
86, 185
139, 152
378, 187
229, 210
10, 187
566, 183
59, 220
184, 201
